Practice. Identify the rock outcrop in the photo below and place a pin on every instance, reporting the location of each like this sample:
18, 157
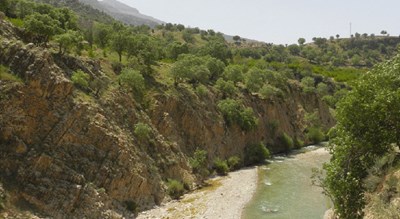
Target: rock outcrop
71, 157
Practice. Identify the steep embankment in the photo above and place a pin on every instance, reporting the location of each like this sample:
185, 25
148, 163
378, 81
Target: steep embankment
64, 153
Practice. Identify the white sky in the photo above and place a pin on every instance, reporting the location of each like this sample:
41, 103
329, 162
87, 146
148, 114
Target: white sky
278, 21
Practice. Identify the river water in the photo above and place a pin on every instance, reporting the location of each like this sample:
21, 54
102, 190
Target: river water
285, 190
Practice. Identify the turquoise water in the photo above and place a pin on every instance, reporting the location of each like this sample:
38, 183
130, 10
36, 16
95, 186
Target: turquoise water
285, 190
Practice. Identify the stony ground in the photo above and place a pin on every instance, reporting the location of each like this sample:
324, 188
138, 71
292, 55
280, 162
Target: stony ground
224, 198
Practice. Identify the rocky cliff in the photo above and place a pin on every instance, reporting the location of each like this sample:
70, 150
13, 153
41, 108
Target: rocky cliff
66, 154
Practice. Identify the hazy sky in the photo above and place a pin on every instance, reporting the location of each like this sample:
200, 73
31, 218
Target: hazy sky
278, 21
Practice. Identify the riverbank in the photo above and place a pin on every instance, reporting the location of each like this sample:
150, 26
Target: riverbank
224, 198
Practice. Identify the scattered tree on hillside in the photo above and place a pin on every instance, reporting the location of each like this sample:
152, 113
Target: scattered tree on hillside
301, 41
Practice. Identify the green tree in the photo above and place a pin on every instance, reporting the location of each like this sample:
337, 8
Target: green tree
42, 27
191, 68
255, 79
67, 18
235, 113
234, 73
188, 36
132, 80
301, 41
81, 79
215, 66
4, 5
226, 87
67, 40
119, 41
175, 49
322, 89
255, 153
101, 34
308, 84
216, 48
367, 128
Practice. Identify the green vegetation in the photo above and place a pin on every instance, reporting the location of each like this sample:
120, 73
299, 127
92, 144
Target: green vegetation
235, 113
199, 163
81, 79
315, 135
255, 153
5, 75
286, 141
221, 167
175, 188
142, 130
132, 80
366, 130
234, 163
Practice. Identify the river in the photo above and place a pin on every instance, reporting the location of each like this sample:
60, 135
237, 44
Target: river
285, 190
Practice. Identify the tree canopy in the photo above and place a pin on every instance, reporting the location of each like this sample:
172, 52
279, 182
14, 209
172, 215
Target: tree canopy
367, 127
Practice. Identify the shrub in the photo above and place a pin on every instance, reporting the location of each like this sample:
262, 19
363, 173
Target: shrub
298, 143
133, 80
315, 135
247, 120
226, 87
221, 166
256, 153
268, 91
81, 79
234, 163
233, 73
235, 113
255, 79
142, 130
201, 90
308, 84
190, 68
175, 188
286, 141
322, 89
199, 162
7, 76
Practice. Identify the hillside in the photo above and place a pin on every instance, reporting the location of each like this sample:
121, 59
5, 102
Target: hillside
122, 12
100, 119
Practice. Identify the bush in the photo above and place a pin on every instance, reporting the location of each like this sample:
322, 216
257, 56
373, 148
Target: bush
256, 153
221, 166
142, 130
7, 76
298, 143
286, 141
226, 87
234, 163
199, 162
175, 188
133, 80
315, 135
235, 113
308, 84
81, 79
268, 91
201, 90
234, 73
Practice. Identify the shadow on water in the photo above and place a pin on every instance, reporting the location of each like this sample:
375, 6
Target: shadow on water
285, 189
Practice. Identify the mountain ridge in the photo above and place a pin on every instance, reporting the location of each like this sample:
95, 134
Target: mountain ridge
123, 12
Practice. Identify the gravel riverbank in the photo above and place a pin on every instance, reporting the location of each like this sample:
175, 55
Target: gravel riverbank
225, 198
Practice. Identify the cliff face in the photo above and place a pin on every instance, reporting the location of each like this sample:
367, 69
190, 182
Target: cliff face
68, 156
